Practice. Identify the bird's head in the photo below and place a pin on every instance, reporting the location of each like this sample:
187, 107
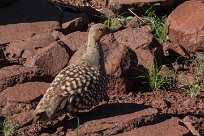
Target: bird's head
98, 30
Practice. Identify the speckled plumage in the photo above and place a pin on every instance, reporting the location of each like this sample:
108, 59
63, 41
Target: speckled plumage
79, 86
76, 87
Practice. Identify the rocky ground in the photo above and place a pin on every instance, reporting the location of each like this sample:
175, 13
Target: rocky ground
37, 40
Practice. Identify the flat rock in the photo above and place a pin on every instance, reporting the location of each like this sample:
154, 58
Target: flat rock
110, 119
25, 92
24, 18
192, 122
50, 60
14, 74
170, 127
18, 52
134, 38
186, 25
21, 117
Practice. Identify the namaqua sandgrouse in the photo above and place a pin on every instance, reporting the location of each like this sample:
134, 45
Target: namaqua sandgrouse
79, 86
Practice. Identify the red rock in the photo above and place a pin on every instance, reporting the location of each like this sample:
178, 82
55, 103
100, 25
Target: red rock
142, 43
25, 92
18, 52
75, 40
189, 124
74, 22
134, 38
50, 60
111, 119
21, 117
11, 108
167, 71
170, 127
186, 24
24, 18
135, 22
14, 74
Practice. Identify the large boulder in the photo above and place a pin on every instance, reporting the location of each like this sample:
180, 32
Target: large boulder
186, 25
51, 59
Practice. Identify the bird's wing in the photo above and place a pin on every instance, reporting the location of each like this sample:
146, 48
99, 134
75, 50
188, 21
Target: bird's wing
69, 83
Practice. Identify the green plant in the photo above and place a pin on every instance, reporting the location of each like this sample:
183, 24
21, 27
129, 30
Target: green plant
7, 127
119, 20
78, 123
200, 68
155, 79
195, 88
158, 23
158, 80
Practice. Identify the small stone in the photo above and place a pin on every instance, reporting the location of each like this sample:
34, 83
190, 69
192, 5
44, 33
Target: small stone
167, 71
74, 22
189, 124
134, 23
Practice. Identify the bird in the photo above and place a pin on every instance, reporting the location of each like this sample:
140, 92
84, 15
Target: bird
78, 86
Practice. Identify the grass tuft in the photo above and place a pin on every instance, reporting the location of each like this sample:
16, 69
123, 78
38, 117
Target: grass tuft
119, 21
200, 68
7, 128
158, 23
195, 88
157, 80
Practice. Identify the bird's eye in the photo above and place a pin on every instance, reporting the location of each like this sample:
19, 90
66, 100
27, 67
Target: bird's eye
100, 29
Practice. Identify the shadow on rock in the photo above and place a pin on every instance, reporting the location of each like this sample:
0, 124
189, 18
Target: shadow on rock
100, 112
